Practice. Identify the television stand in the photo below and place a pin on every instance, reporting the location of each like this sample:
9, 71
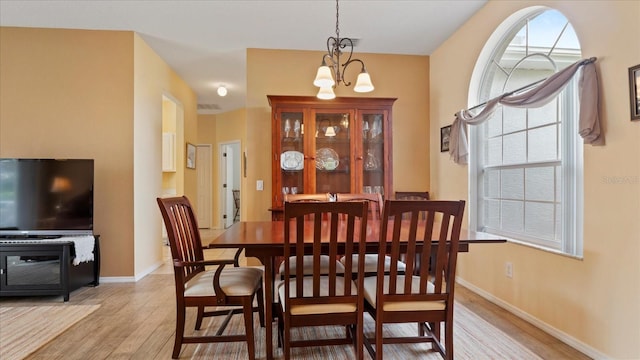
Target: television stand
30, 267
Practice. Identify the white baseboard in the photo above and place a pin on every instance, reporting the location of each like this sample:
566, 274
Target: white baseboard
123, 279
116, 279
149, 270
558, 334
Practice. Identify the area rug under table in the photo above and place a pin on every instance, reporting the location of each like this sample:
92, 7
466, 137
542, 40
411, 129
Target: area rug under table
24, 329
474, 338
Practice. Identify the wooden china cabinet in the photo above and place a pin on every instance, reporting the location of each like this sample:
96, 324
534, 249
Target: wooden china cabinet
330, 146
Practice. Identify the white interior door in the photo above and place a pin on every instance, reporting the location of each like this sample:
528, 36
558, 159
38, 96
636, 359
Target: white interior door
204, 179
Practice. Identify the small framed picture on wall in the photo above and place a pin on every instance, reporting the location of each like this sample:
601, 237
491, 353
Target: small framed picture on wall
445, 134
634, 91
191, 156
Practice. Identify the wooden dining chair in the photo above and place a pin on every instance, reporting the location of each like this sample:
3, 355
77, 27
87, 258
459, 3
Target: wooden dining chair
236, 205
307, 197
411, 195
322, 299
375, 202
428, 297
196, 286
307, 263
375, 213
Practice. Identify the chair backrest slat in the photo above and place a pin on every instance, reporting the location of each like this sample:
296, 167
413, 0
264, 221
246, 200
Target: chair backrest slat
425, 257
394, 254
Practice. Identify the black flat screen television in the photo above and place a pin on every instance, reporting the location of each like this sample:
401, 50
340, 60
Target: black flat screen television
46, 197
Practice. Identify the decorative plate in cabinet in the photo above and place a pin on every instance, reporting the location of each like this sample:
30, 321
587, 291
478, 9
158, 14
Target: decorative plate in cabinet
327, 159
292, 160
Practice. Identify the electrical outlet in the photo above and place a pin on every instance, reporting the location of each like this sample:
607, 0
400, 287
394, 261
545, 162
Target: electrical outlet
259, 185
508, 270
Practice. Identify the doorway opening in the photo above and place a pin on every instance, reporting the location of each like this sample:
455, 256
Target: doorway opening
230, 183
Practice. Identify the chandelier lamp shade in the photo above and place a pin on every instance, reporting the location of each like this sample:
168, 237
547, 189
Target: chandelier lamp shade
331, 73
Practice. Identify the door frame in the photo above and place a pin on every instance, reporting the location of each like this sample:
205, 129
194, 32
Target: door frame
205, 217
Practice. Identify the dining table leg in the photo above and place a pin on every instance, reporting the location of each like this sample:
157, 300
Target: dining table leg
268, 303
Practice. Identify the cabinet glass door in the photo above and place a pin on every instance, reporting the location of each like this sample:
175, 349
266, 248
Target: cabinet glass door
33, 270
333, 151
292, 156
373, 152
30, 269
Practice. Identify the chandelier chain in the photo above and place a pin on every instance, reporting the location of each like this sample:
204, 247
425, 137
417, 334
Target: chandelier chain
337, 21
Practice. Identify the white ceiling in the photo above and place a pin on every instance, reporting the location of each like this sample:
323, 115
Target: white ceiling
205, 41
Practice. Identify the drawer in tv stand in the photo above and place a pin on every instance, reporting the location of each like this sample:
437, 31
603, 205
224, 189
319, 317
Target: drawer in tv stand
32, 268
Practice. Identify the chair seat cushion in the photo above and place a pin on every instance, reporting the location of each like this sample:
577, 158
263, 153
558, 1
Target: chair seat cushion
371, 287
371, 263
308, 265
234, 281
317, 308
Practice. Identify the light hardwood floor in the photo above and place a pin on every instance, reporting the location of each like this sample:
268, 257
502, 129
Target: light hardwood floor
136, 320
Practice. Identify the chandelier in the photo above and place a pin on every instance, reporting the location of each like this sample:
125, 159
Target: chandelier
331, 66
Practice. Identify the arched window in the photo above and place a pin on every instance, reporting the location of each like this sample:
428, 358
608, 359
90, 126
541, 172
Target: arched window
526, 164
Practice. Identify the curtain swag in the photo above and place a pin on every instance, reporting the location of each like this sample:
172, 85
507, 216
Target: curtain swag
537, 96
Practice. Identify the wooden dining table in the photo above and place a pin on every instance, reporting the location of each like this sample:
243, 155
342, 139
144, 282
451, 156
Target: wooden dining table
264, 240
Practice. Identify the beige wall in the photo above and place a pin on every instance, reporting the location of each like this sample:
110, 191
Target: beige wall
153, 80
96, 94
593, 302
69, 94
282, 72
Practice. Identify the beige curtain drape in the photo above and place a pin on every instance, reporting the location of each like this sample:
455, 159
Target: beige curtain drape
540, 95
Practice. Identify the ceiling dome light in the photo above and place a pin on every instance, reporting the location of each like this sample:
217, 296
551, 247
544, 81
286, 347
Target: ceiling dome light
222, 91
